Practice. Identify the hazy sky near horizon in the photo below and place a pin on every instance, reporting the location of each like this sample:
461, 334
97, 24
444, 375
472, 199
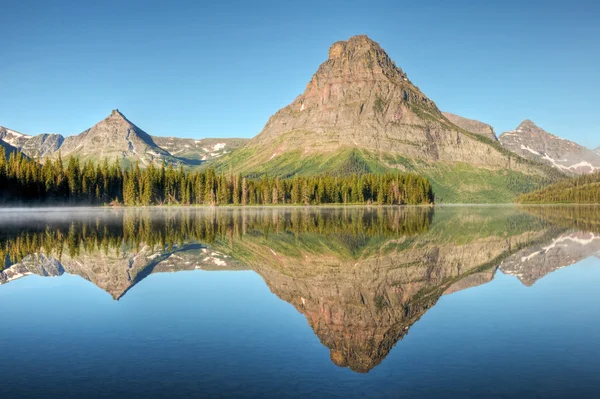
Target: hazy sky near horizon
220, 69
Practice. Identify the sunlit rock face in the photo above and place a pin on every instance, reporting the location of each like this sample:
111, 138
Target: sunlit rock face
471, 125
362, 110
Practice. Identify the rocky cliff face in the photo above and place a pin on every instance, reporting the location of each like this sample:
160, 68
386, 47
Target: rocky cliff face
533, 142
37, 146
472, 126
42, 145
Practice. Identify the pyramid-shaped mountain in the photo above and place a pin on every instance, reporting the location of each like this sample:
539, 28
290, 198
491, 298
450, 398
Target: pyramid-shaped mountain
361, 113
111, 138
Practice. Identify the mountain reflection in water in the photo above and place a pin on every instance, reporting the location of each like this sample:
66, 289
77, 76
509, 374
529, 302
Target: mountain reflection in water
361, 276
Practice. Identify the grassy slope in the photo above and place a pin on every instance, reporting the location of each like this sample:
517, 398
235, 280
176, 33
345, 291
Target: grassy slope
452, 183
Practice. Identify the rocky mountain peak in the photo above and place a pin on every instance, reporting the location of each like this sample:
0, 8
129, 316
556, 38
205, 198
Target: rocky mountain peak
355, 44
359, 58
528, 125
117, 116
532, 142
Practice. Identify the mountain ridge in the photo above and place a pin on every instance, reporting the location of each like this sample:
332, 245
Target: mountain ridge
532, 142
117, 137
472, 125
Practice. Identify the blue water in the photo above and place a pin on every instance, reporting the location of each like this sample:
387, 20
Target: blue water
221, 333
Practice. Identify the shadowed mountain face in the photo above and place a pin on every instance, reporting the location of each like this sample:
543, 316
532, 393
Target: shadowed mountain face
361, 276
8, 149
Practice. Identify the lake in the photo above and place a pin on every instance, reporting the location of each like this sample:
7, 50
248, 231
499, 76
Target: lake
471, 301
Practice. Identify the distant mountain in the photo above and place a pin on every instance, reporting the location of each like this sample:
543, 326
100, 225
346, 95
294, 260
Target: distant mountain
193, 151
117, 137
533, 142
472, 126
40, 145
114, 137
597, 150
361, 113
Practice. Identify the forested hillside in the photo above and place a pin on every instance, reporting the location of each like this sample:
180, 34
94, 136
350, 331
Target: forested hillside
579, 190
23, 180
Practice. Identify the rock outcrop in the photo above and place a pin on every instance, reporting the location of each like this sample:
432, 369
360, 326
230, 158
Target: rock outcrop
472, 125
533, 142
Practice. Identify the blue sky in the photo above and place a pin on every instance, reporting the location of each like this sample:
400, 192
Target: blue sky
220, 69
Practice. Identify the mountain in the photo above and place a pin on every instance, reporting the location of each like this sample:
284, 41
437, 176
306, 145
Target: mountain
533, 142
40, 145
361, 113
115, 137
13, 137
597, 150
195, 152
471, 125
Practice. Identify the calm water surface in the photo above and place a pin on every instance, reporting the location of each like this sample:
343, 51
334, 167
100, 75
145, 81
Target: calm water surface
301, 302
